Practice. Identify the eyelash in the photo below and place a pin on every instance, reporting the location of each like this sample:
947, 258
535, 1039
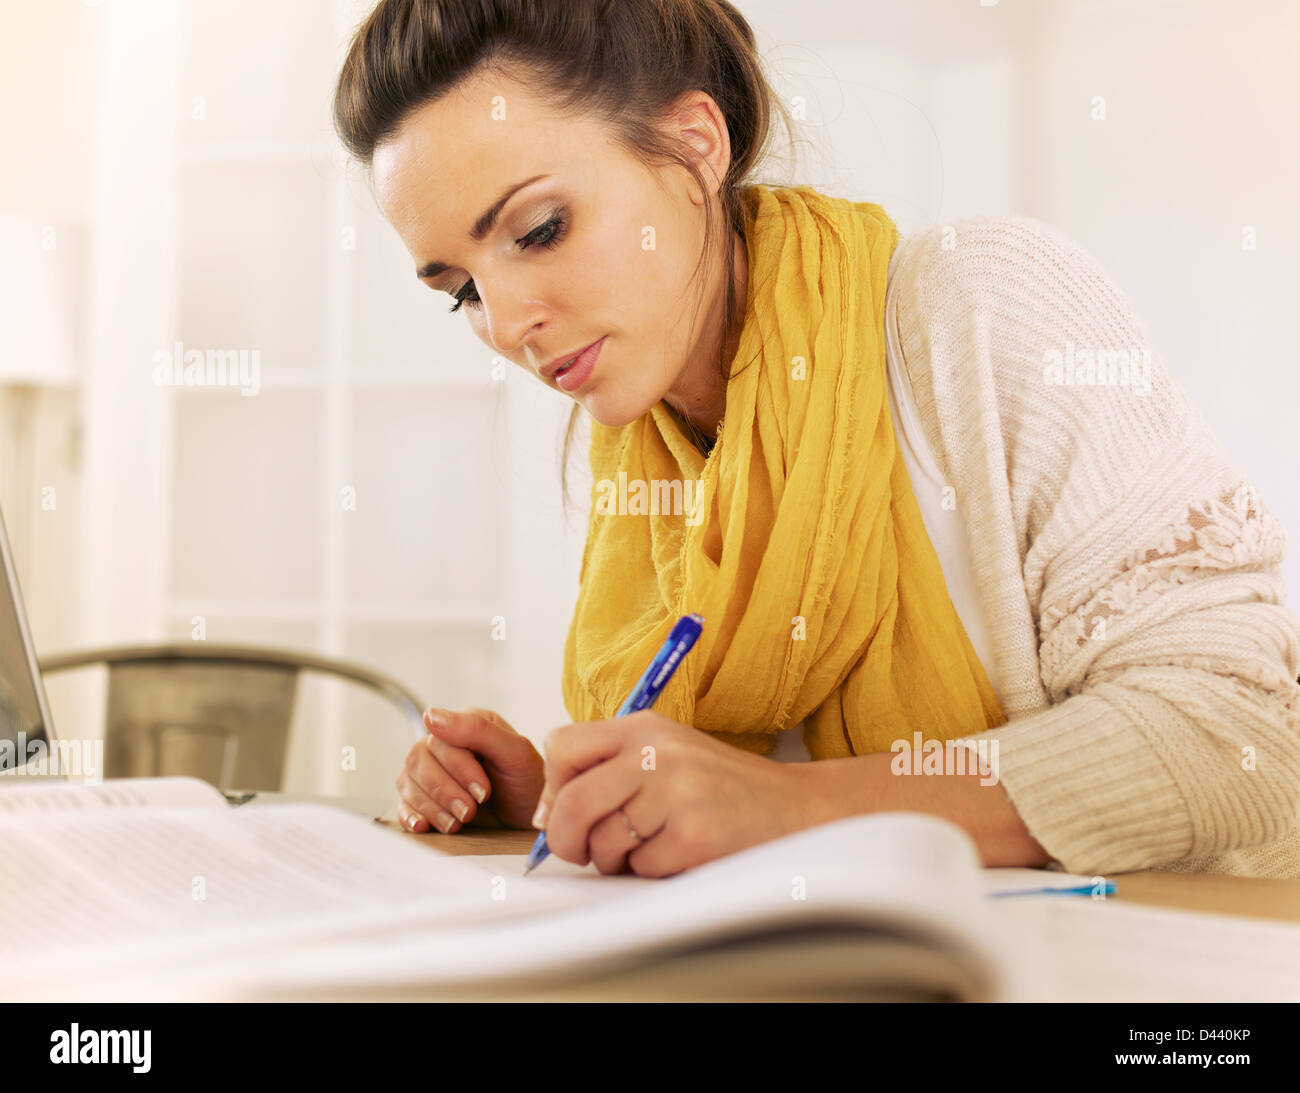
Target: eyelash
558, 224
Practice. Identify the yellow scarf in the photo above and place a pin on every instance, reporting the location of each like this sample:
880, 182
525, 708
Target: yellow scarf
822, 596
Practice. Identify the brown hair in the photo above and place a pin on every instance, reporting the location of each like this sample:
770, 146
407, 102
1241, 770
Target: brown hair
624, 62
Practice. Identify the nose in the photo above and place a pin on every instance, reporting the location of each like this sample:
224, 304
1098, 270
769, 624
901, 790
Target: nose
513, 320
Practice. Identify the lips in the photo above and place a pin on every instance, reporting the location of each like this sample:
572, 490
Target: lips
575, 374
557, 366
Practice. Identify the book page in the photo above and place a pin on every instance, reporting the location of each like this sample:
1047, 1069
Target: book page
145, 887
909, 877
114, 793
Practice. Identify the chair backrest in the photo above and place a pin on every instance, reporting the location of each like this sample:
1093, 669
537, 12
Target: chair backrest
225, 723
220, 713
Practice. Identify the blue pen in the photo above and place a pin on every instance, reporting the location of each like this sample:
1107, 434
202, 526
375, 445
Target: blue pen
1106, 888
643, 695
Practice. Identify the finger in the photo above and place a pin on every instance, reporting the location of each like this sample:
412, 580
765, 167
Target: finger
415, 807
480, 732
491, 715
432, 777
658, 856
411, 821
572, 749
584, 801
419, 799
617, 835
460, 763
438, 782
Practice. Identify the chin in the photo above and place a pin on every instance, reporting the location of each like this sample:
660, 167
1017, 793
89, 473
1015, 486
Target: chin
614, 413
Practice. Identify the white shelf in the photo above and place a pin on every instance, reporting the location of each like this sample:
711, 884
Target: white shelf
458, 616
300, 152
419, 379
61, 377
303, 378
288, 378
250, 610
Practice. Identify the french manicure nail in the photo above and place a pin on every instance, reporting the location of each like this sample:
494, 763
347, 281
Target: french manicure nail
480, 794
445, 822
539, 817
461, 809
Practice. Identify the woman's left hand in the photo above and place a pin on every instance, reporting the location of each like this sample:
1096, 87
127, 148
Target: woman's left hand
648, 795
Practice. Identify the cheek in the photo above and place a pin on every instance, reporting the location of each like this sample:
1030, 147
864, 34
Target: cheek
596, 274
620, 288
631, 260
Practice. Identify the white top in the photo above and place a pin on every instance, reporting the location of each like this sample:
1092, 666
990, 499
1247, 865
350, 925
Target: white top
1130, 574
944, 525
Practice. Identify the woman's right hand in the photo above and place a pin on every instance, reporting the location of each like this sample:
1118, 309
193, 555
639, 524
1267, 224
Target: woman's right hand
472, 768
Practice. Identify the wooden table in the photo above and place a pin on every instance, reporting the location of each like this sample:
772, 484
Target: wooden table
472, 840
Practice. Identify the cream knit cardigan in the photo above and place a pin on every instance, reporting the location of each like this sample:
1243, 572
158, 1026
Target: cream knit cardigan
1129, 572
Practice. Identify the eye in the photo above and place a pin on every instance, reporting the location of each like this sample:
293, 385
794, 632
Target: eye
463, 297
547, 235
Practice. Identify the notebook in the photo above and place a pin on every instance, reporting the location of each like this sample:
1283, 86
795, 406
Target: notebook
157, 888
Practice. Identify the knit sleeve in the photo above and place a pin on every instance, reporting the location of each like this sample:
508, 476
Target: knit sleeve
1130, 572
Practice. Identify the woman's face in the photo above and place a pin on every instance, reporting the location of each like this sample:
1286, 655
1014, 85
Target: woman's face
594, 247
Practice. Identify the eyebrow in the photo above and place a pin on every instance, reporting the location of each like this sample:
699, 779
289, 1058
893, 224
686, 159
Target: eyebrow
482, 225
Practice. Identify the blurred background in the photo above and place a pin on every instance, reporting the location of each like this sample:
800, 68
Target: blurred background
171, 176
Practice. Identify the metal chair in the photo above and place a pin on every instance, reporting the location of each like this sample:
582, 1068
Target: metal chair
217, 712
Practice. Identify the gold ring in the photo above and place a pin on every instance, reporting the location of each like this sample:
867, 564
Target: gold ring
630, 829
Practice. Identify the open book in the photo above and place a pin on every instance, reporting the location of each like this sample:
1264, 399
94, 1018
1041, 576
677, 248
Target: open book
157, 888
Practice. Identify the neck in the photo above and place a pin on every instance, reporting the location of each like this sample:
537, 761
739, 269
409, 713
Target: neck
699, 394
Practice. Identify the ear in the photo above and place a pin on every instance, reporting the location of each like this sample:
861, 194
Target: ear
702, 127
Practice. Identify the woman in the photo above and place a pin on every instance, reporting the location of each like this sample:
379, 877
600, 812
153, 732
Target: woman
943, 490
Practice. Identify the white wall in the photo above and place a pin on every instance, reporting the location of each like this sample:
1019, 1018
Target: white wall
1202, 104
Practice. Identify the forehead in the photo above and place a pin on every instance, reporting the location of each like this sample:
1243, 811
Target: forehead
452, 157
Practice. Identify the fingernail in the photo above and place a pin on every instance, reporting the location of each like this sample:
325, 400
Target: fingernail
434, 716
412, 822
480, 794
445, 822
539, 817
461, 809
